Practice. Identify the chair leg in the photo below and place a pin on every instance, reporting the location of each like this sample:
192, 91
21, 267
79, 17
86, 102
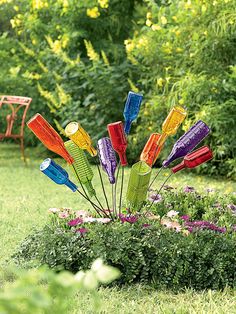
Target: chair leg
22, 148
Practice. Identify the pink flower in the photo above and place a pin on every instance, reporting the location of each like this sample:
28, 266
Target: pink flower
63, 215
75, 222
81, 230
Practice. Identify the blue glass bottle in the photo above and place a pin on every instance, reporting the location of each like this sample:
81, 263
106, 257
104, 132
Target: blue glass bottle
56, 173
132, 107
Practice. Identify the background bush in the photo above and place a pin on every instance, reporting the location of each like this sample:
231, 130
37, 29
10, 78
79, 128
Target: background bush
78, 60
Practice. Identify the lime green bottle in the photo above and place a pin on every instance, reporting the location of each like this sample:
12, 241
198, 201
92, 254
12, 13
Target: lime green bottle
138, 184
81, 166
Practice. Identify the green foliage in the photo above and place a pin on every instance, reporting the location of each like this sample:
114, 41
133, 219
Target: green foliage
78, 60
185, 54
209, 206
76, 64
150, 255
145, 251
43, 291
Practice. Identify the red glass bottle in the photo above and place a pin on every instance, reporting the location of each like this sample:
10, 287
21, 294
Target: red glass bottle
48, 136
118, 140
194, 159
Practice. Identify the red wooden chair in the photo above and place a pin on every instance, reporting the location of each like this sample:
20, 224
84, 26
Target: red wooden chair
15, 103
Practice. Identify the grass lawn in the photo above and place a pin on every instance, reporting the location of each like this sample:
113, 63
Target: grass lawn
26, 195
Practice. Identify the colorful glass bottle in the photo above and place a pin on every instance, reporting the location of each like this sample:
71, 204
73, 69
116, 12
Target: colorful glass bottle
131, 110
172, 122
188, 141
194, 159
140, 175
56, 173
151, 149
118, 140
80, 137
48, 136
81, 166
107, 158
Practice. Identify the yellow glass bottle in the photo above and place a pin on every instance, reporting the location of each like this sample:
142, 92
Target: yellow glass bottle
80, 137
172, 122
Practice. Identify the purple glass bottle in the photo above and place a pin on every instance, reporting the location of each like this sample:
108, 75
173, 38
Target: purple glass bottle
187, 142
107, 157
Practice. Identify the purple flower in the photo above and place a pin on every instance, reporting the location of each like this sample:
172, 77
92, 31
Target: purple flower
233, 208
129, 218
81, 230
190, 229
146, 225
185, 217
199, 224
75, 222
155, 198
209, 190
189, 189
217, 205
221, 229
167, 187
234, 228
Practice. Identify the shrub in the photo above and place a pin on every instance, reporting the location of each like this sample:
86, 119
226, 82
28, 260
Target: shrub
169, 251
74, 67
151, 255
185, 54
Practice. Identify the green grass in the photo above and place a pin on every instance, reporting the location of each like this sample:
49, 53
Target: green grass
26, 195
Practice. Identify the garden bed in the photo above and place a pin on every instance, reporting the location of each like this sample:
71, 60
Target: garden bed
188, 240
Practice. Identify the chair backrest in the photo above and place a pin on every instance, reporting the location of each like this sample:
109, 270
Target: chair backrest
15, 103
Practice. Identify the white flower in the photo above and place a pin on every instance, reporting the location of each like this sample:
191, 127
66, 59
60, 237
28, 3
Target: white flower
103, 220
81, 214
63, 215
89, 219
54, 210
166, 223
172, 213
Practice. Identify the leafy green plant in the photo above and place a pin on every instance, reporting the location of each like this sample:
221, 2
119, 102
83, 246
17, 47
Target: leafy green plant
44, 291
166, 248
185, 54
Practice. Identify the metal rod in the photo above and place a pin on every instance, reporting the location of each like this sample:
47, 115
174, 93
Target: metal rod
157, 174
86, 195
103, 188
114, 199
159, 191
121, 188
95, 207
115, 188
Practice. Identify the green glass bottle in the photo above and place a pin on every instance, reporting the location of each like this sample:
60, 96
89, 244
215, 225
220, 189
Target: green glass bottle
81, 166
138, 184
